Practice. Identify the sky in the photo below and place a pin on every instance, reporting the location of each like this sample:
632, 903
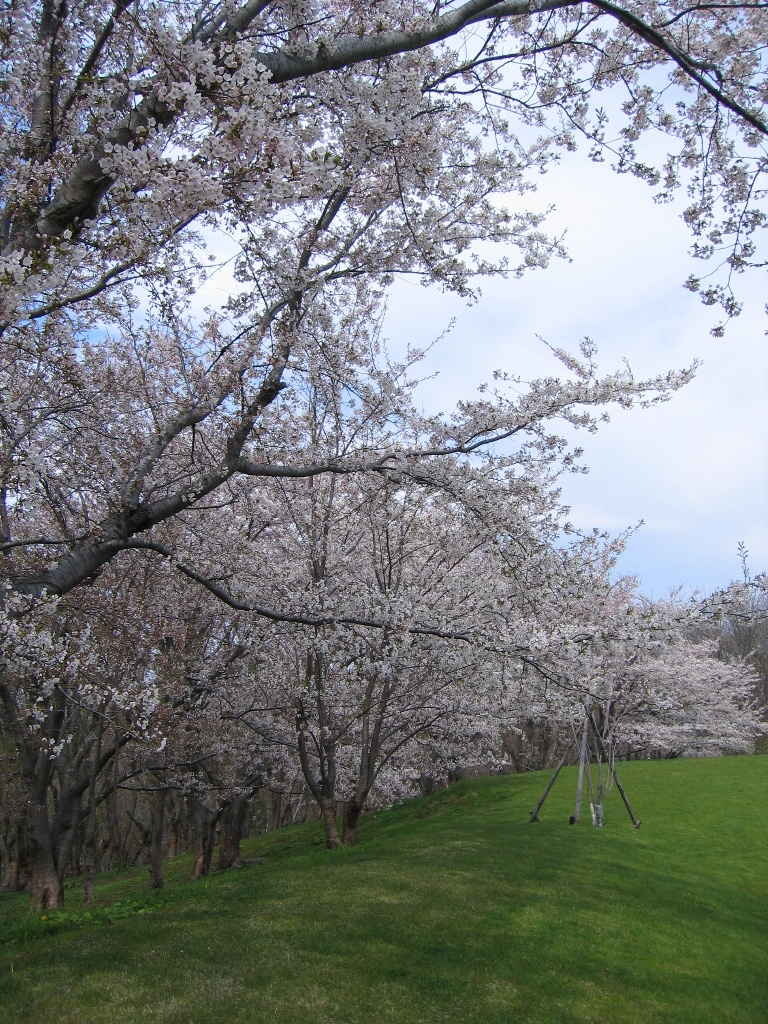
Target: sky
694, 470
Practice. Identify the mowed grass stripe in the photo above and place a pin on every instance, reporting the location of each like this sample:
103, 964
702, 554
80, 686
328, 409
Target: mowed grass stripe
452, 909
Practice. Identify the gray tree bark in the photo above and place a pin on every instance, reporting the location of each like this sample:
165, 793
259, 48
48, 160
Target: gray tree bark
231, 826
157, 829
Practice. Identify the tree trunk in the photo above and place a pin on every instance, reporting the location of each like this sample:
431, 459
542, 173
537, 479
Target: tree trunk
89, 844
11, 872
16, 858
66, 825
89, 870
46, 889
351, 815
156, 839
202, 828
277, 810
231, 829
175, 814
143, 834
332, 840
116, 840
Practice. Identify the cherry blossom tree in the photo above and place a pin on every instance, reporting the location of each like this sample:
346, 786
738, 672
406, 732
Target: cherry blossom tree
687, 701
399, 688
639, 685
210, 757
737, 617
77, 685
397, 598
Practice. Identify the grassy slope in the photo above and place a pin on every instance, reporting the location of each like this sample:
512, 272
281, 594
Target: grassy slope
452, 909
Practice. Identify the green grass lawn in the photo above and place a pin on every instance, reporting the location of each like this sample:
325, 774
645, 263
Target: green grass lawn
452, 909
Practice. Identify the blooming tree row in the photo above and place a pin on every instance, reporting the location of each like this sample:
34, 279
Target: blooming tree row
234, 554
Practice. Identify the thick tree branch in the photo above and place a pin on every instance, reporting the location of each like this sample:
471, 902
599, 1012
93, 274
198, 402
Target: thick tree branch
94, 56
295, 618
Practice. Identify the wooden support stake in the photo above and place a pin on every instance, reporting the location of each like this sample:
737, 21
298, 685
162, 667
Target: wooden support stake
540, 804
574, 819
619, 786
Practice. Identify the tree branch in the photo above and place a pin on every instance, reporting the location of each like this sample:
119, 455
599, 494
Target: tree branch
683, 60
